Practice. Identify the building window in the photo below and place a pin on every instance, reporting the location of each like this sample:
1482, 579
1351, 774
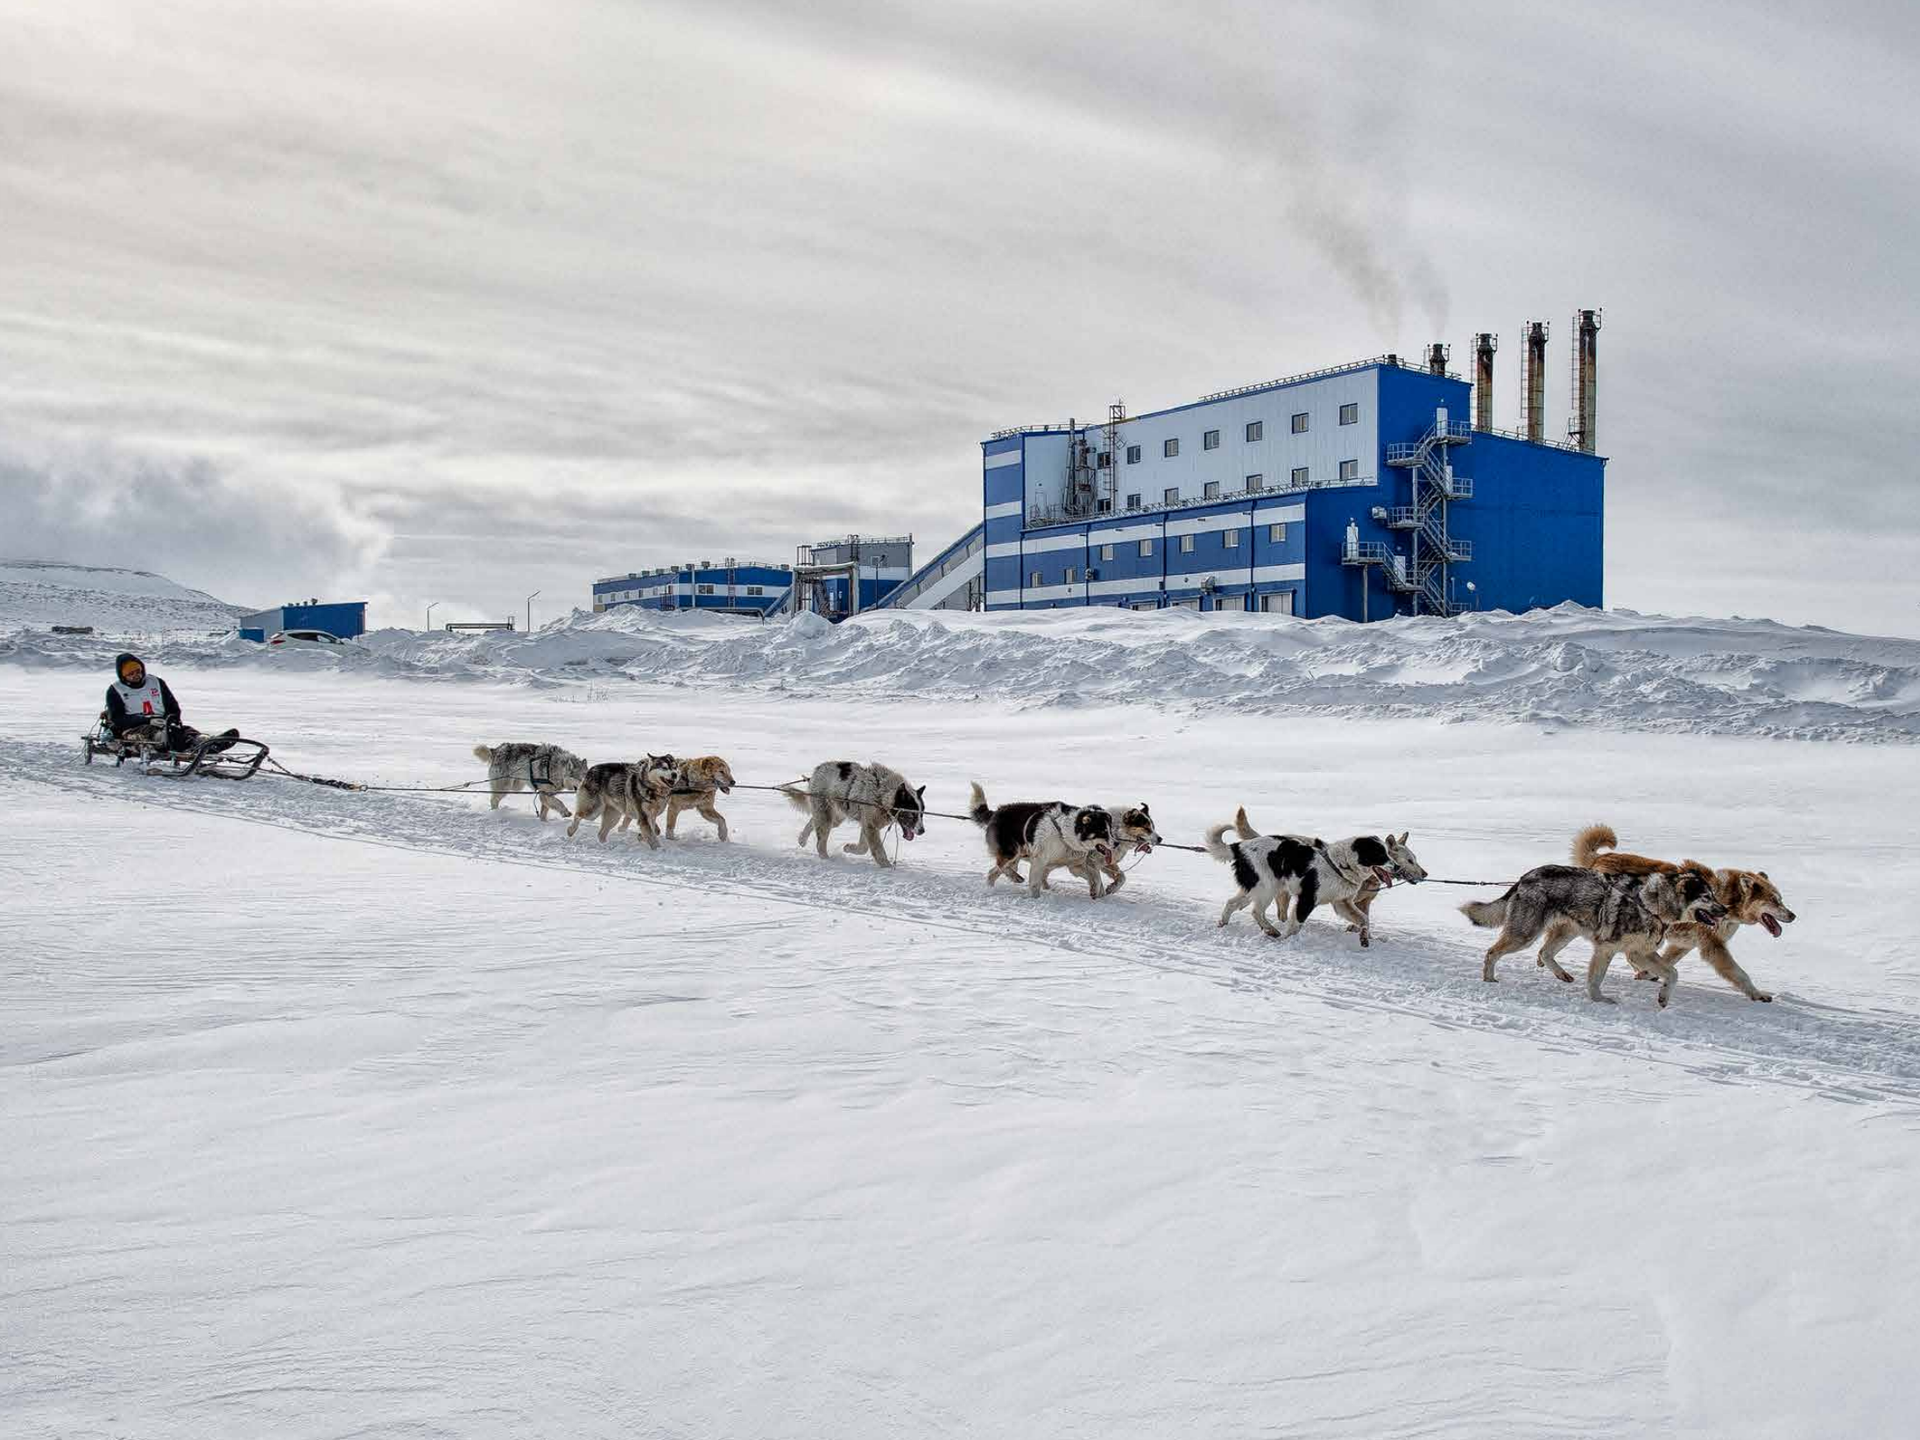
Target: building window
1104, 461
1186, 544
1256, 429
1103, 505
1169, 448
1133, 501
1033, 581
1276, 534
1300, 423
1230, 539
1067, 579
1210, 440
1349, 415
755, 590
1299, 475
704, 589
1278, 603
1256, 482
1210, 491
1133, 454
1349, 469
1106, 552
1171, 495
1146, 547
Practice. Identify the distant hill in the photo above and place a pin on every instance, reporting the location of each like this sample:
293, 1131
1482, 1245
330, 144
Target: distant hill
37, 593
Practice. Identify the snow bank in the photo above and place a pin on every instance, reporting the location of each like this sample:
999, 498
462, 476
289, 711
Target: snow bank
119, 603
1568, 666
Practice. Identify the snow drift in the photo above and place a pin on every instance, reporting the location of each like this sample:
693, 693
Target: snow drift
1568, 666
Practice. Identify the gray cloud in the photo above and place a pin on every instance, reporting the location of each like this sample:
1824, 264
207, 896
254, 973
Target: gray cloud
502, 296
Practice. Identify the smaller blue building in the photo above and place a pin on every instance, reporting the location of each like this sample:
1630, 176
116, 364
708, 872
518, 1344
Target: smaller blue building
345, 619
729, 587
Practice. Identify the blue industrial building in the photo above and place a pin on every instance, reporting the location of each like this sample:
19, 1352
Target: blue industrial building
834, 578
1365, 490
344, 619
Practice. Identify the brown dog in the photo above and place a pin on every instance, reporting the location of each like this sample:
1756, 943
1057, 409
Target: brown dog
694, 788
1750, 897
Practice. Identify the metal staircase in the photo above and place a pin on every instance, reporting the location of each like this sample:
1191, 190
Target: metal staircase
1422, 574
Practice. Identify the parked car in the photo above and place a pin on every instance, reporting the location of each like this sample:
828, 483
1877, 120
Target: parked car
299, 638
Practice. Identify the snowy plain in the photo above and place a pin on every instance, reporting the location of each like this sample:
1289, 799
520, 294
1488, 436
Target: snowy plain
337, 1114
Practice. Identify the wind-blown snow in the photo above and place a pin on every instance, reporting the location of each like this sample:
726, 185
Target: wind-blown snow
118, 603
1568, 666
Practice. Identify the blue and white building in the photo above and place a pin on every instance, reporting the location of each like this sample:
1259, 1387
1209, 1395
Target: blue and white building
1363, 490
733, 587
834, 578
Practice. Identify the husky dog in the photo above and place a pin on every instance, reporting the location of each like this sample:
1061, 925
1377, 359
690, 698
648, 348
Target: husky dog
1051, 834
1358, 911
1132, 830
1619, 913
1750, 897
543, 769
1306, 871
625, 793
694, 788
872, 796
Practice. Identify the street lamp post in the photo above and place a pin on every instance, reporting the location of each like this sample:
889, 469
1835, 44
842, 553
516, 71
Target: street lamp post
530, 599
430, 610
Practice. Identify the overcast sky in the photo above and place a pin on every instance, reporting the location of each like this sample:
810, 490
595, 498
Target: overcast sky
455, 301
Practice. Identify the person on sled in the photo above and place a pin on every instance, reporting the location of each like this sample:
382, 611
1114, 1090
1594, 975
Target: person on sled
140, 708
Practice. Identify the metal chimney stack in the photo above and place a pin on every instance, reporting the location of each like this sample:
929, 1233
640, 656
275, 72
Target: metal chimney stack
1533, 381
1586, 364
1437, 358
1484, 344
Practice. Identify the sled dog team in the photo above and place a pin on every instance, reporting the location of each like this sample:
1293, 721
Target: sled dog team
1652, 912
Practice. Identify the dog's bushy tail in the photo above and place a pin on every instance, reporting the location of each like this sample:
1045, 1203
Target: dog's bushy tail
797, 794
1243, 826
1488, 913
1588, 844
1216, 846
978, 807
484, 754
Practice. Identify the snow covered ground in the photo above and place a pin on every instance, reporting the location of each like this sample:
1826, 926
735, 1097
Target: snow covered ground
335, 1114
39, 593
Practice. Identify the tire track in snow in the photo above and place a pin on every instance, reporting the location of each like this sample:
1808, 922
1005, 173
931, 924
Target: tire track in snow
1852, 1054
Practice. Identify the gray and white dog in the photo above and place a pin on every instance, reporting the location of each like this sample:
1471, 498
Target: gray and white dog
544, 769
624, 792
1620, 914
872, 796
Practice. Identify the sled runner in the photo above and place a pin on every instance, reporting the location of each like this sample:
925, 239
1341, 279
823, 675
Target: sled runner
222, 756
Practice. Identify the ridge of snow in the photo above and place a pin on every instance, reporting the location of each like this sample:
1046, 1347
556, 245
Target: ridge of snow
1565, 666
118, 601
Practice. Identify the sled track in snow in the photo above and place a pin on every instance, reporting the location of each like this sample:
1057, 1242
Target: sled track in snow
1853, 1054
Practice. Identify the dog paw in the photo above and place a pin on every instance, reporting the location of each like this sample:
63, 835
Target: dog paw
1365, 940
1763, 997
1603, 1000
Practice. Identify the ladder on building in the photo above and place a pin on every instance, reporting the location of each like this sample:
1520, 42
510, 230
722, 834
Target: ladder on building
1429, 467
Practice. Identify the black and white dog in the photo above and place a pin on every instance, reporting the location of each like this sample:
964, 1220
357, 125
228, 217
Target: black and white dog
624, 792
544, 769
872, 796
1051, 835
1620, 914
1133, 830
1308, 872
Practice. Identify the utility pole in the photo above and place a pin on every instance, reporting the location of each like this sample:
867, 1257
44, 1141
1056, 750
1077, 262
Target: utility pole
530, 599
430, 615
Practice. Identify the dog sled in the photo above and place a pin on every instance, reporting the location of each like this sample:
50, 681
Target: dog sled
223, 757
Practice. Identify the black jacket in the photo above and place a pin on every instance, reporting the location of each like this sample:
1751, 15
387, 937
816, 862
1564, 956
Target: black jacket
119, 721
